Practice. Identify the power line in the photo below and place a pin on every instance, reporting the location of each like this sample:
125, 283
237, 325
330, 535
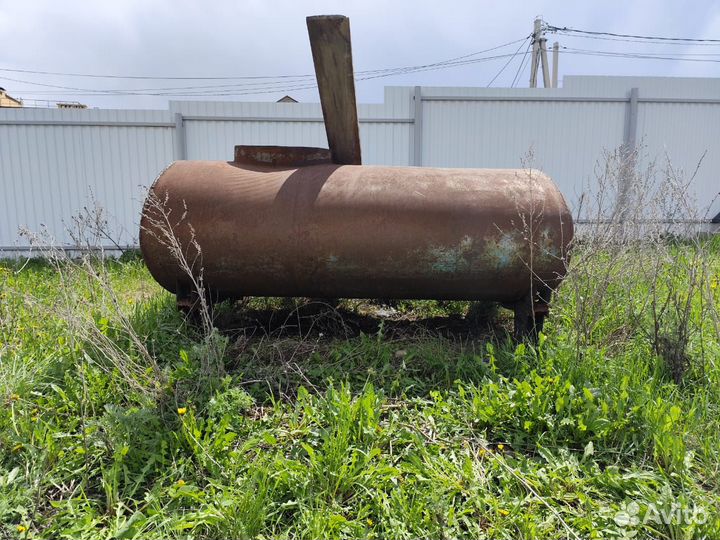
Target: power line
267, 89
245, 77
551, 28
648, 53
643, 41
507, 63
219, 92
160, 91
147, 77
520, 67
262, 90
269, 86
435, 67
450, 60
636, 55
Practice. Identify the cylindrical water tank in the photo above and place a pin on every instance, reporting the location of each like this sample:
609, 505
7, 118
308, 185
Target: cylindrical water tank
287, 222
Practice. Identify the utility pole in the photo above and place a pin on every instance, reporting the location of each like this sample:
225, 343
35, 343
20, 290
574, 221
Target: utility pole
556, 56
545, 66
539, 55
535, 55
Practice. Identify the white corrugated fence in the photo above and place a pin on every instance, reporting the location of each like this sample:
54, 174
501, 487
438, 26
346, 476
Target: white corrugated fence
56, 163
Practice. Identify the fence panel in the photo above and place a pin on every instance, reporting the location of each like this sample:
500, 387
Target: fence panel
54, 163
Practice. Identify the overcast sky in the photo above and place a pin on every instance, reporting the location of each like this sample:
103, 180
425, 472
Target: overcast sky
242, 38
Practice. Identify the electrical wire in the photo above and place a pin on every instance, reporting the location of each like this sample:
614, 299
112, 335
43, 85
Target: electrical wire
148, 77
248, 77
262, 84
268, 89
268, 86
264, 90
450, 60
507, 63
528, 61
643, 41
636, 55
435, 67
217, 94
551, 28
520, 67
169, 90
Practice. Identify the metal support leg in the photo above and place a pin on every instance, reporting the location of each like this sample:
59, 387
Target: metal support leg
188, 302
530, 313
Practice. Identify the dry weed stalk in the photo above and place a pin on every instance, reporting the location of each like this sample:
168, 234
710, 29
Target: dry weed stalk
163, 226
529, 227
102, 327
638, 228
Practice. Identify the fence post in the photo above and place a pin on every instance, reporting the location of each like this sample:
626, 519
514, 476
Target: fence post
628, 155
632, 118
417, 128
180, 143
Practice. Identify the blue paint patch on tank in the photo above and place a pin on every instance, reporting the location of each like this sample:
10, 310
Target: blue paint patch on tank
503, 252
452, 259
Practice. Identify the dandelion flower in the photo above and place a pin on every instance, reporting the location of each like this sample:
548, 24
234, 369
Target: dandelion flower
181, 482
501, 447
182, 410
21, 528
503, 512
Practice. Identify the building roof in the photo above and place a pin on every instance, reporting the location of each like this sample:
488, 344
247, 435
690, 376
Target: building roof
4, 95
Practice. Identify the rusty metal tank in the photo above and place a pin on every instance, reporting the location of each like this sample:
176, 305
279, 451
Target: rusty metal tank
288, 222
281, 221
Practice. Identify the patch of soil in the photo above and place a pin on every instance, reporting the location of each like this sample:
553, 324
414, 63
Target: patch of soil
335, 320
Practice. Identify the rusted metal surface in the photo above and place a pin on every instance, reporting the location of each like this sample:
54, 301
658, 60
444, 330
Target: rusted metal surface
326, 230
312, 222
281, 156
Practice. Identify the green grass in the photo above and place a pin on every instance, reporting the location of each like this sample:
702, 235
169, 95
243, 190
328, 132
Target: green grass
330, 423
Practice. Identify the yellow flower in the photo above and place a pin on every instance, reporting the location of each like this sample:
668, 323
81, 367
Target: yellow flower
501, 447
503, 512
181, 482
34, 419
182, 410
14, 397
21, 528
370, 522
